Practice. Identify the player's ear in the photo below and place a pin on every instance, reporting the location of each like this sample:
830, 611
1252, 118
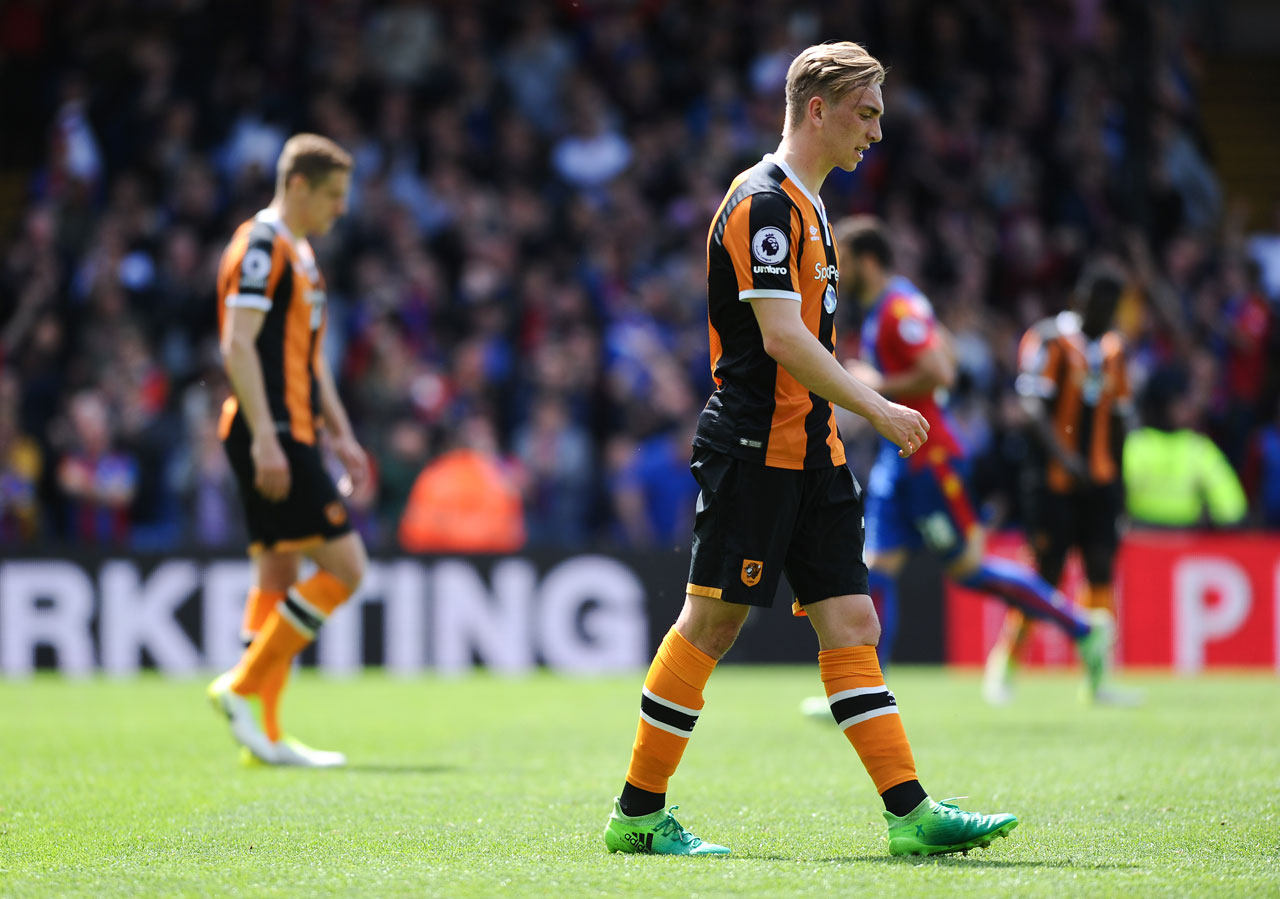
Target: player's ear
817, 108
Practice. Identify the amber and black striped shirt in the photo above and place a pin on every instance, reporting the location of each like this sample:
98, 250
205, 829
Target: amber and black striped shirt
265, 267
770, 238
1085, 385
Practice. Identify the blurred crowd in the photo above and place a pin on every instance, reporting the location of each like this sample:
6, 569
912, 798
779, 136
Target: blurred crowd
520, 283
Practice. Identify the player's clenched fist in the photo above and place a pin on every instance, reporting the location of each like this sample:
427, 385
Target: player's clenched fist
270, 468
906, 428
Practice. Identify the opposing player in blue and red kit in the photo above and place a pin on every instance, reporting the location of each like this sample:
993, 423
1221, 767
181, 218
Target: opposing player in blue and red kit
923, 500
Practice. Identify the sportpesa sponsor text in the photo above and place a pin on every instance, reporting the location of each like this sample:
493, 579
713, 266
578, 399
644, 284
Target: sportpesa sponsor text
820, 272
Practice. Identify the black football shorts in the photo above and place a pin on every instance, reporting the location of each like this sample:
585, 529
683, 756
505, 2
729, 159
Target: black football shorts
755, 523
311, 514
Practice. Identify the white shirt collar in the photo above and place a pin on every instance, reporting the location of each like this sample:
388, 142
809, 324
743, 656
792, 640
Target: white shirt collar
272, 218
1068, 323
791, 176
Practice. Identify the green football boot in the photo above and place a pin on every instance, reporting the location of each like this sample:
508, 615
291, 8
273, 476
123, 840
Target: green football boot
290, 751
1095, 649
997, 675
934, 828
656, 834
240, 715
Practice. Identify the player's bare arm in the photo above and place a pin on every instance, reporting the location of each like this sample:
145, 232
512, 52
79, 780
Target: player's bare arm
934, 368
240, 358
793, 346
947, 346
342, 437
1072, 461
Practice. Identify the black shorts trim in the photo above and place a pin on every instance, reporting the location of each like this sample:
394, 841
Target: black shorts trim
1084, 519
755, 523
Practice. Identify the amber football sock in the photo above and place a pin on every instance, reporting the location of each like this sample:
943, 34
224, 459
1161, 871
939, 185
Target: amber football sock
669, 707
260, 605
867, 712
1099, 596
290, 626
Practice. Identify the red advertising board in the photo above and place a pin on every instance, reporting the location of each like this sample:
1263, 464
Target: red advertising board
1185, 601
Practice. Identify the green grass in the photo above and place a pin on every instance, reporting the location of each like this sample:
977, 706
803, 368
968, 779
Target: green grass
488, 787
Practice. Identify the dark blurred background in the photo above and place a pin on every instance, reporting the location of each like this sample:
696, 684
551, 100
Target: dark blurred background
522, 273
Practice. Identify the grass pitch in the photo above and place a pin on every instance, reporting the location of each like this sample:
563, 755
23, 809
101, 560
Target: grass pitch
489, 787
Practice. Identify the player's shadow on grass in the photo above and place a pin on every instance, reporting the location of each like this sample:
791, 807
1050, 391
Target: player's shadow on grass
401, 769
958, 860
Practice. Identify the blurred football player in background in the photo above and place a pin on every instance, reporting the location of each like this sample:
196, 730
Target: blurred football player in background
1074, 384
923, 501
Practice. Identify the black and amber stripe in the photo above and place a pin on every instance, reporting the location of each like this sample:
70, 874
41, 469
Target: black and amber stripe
287, 345
305, 618
667, 715
850, 707
1060, 367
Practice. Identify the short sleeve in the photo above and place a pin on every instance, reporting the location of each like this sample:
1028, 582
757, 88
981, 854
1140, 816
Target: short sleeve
908, 329
1036, 362
760, 239
1122, 390
255, 277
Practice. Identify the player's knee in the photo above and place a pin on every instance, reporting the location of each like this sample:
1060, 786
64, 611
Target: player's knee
357, 565
349, 566
354, 576
856, 624
277, 574
963, 567
867, 634
713, 636
722, 638
970, 556
866, 627
858, 632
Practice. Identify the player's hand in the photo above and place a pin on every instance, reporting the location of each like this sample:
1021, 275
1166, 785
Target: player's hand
865, 373
353, 457
1076, 467
270, 467
905, 427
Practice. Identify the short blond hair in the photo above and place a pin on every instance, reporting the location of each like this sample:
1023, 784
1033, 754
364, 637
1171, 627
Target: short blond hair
830, 71
312, 156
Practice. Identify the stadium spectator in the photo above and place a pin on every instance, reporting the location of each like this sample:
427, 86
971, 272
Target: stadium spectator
1263, 472
533, 188
1175, 477
1245, 328
467, 499
98, 481
202, 477
21, 464
1264, 248
399, 457
555, 454
652, 492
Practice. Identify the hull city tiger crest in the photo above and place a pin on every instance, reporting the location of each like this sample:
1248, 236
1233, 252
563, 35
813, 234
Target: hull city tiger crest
336, 513
751, 571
